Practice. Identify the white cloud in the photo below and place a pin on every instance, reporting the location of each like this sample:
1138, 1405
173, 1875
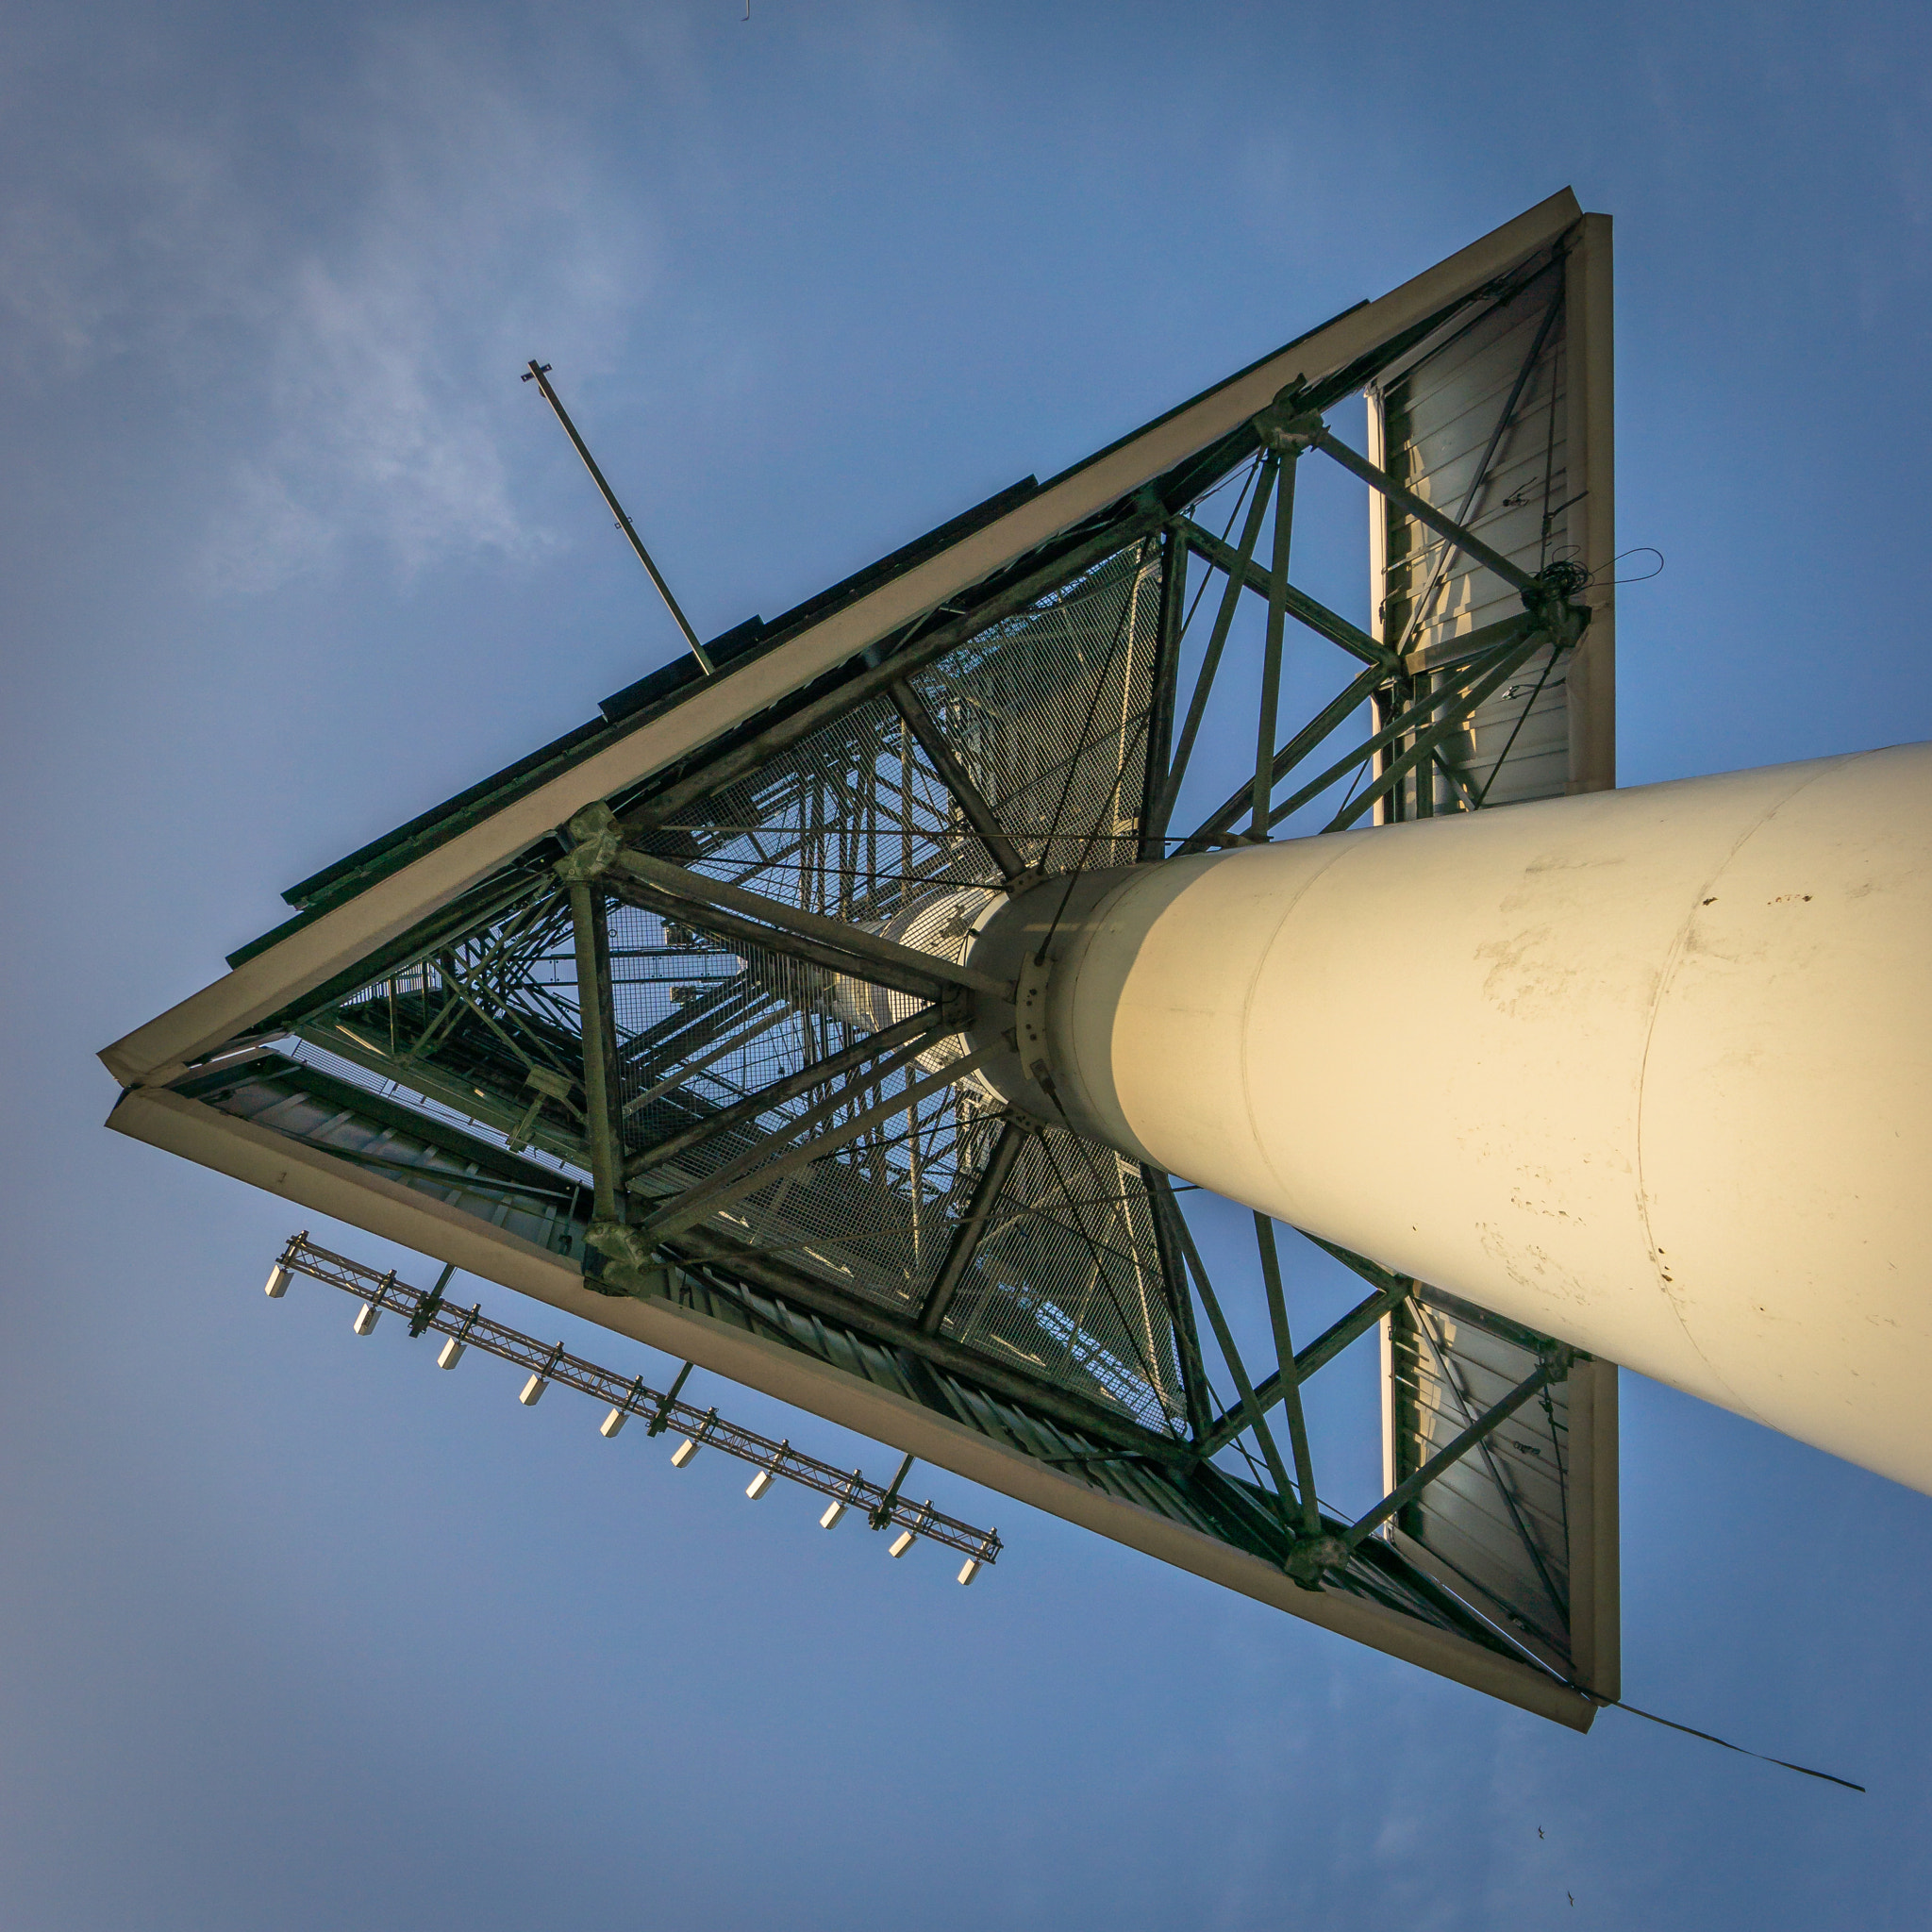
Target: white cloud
347, 296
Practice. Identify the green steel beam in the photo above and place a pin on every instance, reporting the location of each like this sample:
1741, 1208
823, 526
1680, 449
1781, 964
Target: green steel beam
1161, 703
1271, 650
1422, 511
1217, 643
593, 942
1405, 720
972, 1225
1554, 1368
913, 1031
1301, 607
1289, 1381
952, 774
1448, 718
1224, 1337
884, 1327
721, 1189
915, 970
1332, 716
1318, 1354
1558, 1600
1163, 1209
758, 750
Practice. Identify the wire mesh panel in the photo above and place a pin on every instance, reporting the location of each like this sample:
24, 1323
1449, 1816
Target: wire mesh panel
1068, 1277
1048, 712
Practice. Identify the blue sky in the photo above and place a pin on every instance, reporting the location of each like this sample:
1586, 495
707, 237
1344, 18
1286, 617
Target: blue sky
299, 1633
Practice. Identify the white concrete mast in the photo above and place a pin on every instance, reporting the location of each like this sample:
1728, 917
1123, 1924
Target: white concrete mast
1674, 1043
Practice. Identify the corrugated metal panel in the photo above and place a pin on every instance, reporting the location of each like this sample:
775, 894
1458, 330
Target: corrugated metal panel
1495, 423
1503, 421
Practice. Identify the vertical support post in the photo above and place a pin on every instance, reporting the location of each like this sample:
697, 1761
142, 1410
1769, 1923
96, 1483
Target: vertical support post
1271, 660
1160, 705
1291, 1382
1426, 769
599, 1023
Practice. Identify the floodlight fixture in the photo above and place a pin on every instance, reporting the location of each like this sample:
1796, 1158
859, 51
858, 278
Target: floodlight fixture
621, 1412
532, 1391
836, 1508
694, 1442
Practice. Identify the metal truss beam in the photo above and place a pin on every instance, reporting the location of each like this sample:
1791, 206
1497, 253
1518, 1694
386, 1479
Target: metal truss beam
1419, 611
952, 774
1328, 719
914, 1031
1318, 1354
1162, 1212
881, 1325
734, 1180
1454, 1384
842, 946
1300, 605
816, 1116
1217, 643
744, 758
1164, 689
1554, 1366
1285, 1498
1448, 718
591, 940
1271, 650
1423, 512
966, 1236
1284, 1374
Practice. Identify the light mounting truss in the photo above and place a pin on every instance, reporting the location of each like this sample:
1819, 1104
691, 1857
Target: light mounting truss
668, 1025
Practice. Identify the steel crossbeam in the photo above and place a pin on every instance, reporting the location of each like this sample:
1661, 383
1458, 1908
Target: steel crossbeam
1299, 604
834, 942
1554, 1366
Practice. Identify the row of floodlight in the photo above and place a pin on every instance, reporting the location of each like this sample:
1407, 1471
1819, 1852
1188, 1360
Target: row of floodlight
370, 1312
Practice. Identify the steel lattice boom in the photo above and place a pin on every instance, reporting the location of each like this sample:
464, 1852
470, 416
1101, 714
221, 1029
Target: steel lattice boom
426, 1312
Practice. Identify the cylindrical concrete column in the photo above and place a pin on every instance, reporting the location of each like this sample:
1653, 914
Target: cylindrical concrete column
1648, 1070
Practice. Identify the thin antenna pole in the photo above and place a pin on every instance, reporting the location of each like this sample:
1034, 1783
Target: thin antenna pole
538, 373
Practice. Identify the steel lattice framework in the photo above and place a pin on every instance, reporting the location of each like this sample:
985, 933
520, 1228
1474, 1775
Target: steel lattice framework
689, 1056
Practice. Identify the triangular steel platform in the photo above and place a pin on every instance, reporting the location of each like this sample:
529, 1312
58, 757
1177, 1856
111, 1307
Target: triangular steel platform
662, 1024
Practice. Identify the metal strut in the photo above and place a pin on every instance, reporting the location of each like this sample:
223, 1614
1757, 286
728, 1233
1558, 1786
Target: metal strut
538, 373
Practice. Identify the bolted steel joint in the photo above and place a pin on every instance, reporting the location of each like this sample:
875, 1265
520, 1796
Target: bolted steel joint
1285, 426
1551, 601
597, 840
1314, 1556
629, 1267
